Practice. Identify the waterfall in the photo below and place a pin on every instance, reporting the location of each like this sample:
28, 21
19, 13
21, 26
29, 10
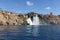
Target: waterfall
29, 21
35, 20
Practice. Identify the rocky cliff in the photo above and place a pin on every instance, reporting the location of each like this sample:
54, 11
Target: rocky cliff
11, 18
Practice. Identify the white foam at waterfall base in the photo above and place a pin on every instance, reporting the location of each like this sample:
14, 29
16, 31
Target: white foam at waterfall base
29, 21
35, 20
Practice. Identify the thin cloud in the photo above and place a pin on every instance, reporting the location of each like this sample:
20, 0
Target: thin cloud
29, 3
48, 8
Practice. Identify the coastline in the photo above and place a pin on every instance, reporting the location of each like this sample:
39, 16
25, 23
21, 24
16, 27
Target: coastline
11, 18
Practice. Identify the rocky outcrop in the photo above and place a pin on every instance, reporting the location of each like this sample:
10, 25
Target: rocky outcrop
11, 18
52, 19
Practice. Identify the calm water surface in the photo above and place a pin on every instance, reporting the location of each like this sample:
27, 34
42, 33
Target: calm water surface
41, 32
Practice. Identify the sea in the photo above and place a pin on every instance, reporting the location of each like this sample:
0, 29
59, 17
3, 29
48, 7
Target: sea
30, 32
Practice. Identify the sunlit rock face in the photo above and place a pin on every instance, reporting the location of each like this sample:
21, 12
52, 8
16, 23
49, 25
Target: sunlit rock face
11, 18
52, 19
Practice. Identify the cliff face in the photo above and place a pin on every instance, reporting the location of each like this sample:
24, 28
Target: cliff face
52, 19
10, 18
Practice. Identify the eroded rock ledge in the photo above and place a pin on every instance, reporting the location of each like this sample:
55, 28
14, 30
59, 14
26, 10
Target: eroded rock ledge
11, 18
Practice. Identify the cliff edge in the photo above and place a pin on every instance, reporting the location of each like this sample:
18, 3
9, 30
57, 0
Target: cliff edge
11, 18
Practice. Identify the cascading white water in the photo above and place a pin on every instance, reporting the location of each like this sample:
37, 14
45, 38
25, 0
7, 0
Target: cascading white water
29, 21
35, 20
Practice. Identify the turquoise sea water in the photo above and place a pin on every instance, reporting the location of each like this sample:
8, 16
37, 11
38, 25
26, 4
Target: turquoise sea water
40, 32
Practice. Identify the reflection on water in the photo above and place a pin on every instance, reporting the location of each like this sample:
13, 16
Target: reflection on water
32, 30
35, 30
43, 32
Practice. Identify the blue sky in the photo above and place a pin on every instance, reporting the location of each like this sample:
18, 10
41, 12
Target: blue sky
25, 6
